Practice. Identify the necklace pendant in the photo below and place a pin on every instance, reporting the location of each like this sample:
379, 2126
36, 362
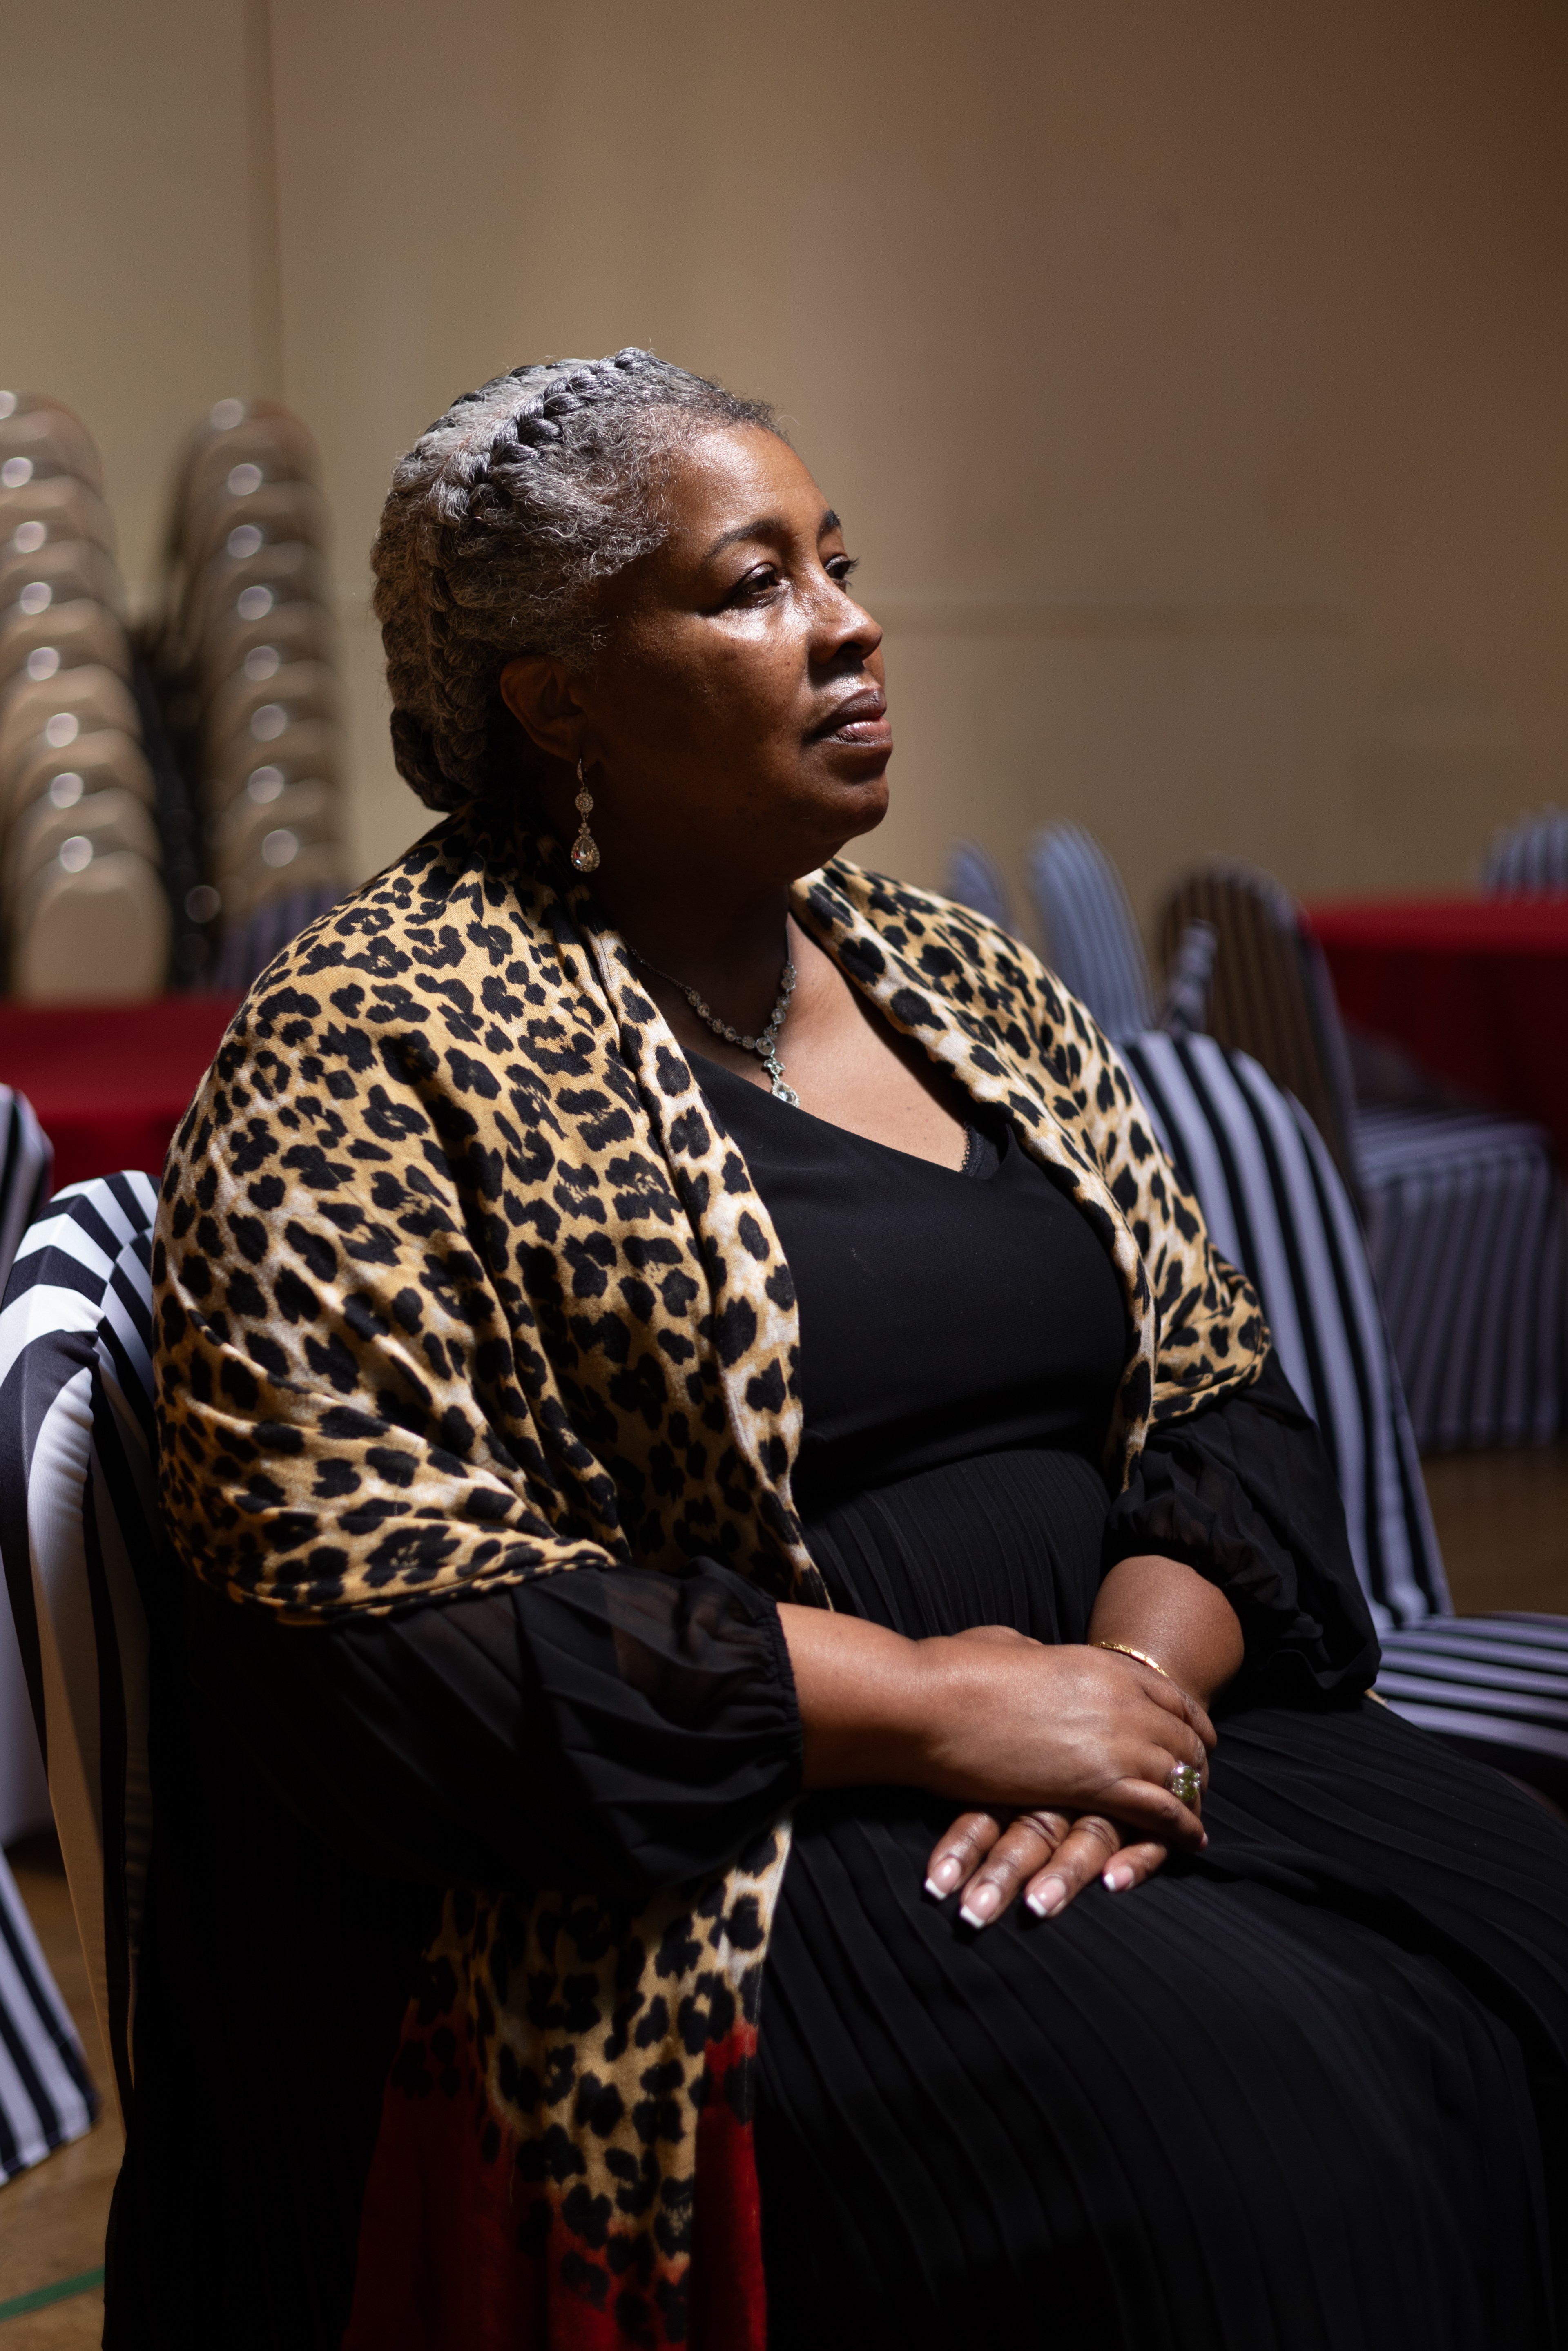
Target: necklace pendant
764, 1043
781, 1093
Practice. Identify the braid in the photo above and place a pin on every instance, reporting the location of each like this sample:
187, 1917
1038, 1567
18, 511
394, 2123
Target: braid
502, 522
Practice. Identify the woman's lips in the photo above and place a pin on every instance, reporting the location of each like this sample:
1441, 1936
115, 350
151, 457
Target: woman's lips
861, 720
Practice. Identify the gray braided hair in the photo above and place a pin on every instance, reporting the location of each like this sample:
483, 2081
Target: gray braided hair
502, 522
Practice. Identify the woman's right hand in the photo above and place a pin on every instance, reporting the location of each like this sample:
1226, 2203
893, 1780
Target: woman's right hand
999, 1721
1012, 1724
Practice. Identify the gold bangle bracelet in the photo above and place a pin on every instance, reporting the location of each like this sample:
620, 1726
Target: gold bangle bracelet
1142, 1657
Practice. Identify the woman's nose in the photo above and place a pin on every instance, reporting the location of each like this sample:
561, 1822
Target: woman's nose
844, 624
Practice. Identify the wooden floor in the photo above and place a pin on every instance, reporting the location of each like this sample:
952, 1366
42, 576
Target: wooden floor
52, 2218
1502, 1519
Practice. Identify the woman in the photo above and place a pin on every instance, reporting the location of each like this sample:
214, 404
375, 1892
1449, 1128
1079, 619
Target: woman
657, 1324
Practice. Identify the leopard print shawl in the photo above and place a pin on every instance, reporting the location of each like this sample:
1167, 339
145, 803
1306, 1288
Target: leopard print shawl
460, 1281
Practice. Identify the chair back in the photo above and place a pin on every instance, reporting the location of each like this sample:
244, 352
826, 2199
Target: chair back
1277, 1207
26, 1172
1531, 855
1269, 991
975, 880
1092, 941
250, 945
79, 1537
46, 2095
1184, 1007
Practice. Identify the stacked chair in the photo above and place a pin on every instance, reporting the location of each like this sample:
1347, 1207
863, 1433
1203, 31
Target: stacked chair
85, 912
1529, 857
248, 668
1463, 1208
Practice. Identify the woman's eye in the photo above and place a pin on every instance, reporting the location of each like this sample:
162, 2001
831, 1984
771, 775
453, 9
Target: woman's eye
756, 583
843, 568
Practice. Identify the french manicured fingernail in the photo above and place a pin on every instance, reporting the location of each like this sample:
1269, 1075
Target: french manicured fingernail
1116, 1881
1046, 1900
976, 1907
944, 1877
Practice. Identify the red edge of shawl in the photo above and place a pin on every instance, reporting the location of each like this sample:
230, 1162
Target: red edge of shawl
444, 2264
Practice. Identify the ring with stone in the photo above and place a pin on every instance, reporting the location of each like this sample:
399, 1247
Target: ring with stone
1185, 1783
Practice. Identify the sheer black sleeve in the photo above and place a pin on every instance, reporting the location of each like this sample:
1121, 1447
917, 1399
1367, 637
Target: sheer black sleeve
630, 1728
1244, 1492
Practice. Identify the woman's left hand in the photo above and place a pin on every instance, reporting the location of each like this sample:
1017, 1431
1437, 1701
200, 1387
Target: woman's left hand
1046, 1856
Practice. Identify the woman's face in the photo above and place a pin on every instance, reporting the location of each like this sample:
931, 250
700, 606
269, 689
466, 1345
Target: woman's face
737, 721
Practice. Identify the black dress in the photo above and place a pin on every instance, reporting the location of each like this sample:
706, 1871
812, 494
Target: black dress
1306, 2090
1278, 2096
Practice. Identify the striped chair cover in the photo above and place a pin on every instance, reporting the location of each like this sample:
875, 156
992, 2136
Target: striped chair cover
26, 1169
975, 879
1092, 939
1277, 1207
1528, 856
249, 948
1465, 1227
1261, 1001
46, 2098
1464, 1210
1093, 942
79, 1534
1496, 1686
1188, 981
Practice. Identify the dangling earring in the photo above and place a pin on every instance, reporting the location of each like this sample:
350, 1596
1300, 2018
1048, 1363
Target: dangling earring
584, 849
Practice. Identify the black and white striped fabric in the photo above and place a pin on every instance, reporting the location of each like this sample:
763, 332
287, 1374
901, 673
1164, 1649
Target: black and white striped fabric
46, 2098
79, 1534
1496, 1686
1464, 1210
975, 879
1277, 1207
26, 1169
1465, 1229
1266, 990
248, 947
1189, 981
1529, 856
1517, 1380
1092, 940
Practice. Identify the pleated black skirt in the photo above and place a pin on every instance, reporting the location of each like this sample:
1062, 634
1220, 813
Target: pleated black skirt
1303, 2094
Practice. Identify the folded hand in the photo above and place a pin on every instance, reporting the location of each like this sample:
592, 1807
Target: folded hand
1050, 1853
1046, 1856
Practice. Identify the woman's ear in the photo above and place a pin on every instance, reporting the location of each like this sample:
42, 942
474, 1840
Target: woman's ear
538, 692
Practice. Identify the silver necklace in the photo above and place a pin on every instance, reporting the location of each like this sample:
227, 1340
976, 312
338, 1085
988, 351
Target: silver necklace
765, 1044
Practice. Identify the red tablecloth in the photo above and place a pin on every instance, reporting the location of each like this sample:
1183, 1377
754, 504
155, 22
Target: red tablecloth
1477, 989
109, 1081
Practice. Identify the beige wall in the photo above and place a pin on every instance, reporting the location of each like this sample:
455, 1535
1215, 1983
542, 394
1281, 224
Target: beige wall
1193, 378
